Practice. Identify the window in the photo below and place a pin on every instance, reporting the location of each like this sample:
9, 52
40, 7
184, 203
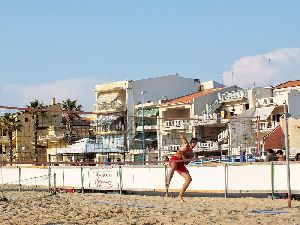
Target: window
26, 119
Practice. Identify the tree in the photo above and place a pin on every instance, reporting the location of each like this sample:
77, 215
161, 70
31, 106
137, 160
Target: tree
10, 124
35, 111
71, 110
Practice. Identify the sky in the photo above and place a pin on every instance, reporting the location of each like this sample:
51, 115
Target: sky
63, 48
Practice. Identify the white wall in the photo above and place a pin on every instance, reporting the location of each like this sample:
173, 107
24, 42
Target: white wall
244, 178
171, 86
200, 102
294, 104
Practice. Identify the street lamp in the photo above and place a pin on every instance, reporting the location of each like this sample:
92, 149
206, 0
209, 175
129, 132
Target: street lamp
143, 132
287, 153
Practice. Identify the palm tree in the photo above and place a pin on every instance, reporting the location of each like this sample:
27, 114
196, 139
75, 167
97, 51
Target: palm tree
35, 111
10, 123
71, 108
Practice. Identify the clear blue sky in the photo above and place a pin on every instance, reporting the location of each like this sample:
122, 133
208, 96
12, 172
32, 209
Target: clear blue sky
45, 41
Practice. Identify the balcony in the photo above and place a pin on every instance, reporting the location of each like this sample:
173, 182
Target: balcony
51, 137
113, 106
223, 136
266, 126
232, 96
176, 125
205, 119
4, 139
209, 109
266, 101
206, 146
148, 125
171, 148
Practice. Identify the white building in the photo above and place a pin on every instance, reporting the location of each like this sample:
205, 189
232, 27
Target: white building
119, 98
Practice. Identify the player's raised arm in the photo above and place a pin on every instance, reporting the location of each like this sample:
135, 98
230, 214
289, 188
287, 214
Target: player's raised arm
182, 139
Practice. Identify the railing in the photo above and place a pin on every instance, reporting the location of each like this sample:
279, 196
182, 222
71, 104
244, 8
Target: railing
147, 122
206, 146
51, 136
211, 108
147, 127
5, 139
266, 126
223, 135
201, 146
232, 96
172, 148
266, 101
108, 106
176, 124
206, 119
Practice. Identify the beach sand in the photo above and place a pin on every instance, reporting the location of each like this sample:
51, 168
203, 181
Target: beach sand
35, 207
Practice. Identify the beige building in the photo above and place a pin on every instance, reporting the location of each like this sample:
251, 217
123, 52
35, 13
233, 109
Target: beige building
24, 151
51, 134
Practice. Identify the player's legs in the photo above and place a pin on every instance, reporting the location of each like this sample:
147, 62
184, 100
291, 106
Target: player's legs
186, 175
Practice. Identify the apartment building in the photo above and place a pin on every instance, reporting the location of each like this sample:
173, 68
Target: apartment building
115, 102
197, 115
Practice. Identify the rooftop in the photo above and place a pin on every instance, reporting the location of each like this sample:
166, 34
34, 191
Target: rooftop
288, 84
188, 98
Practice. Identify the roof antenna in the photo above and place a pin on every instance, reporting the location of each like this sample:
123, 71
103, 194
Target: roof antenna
270, 71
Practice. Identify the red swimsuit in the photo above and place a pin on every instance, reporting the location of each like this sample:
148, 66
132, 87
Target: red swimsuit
180, 167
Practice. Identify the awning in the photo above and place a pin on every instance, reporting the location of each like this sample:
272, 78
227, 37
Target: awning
264, 112
147, 112
107, 97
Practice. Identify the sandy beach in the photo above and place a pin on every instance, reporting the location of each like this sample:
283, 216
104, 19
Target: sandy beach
33, 207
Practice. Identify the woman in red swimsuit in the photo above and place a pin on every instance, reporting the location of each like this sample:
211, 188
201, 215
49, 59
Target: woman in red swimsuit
177, 163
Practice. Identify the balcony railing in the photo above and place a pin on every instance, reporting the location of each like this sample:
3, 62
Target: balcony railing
4, 139
266, 126
147, 127
232, 96
209, 109
201, 146
206, 146
266, 101
108, 106
49, 137
223, 135
205, 119
171, 148
176, 124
